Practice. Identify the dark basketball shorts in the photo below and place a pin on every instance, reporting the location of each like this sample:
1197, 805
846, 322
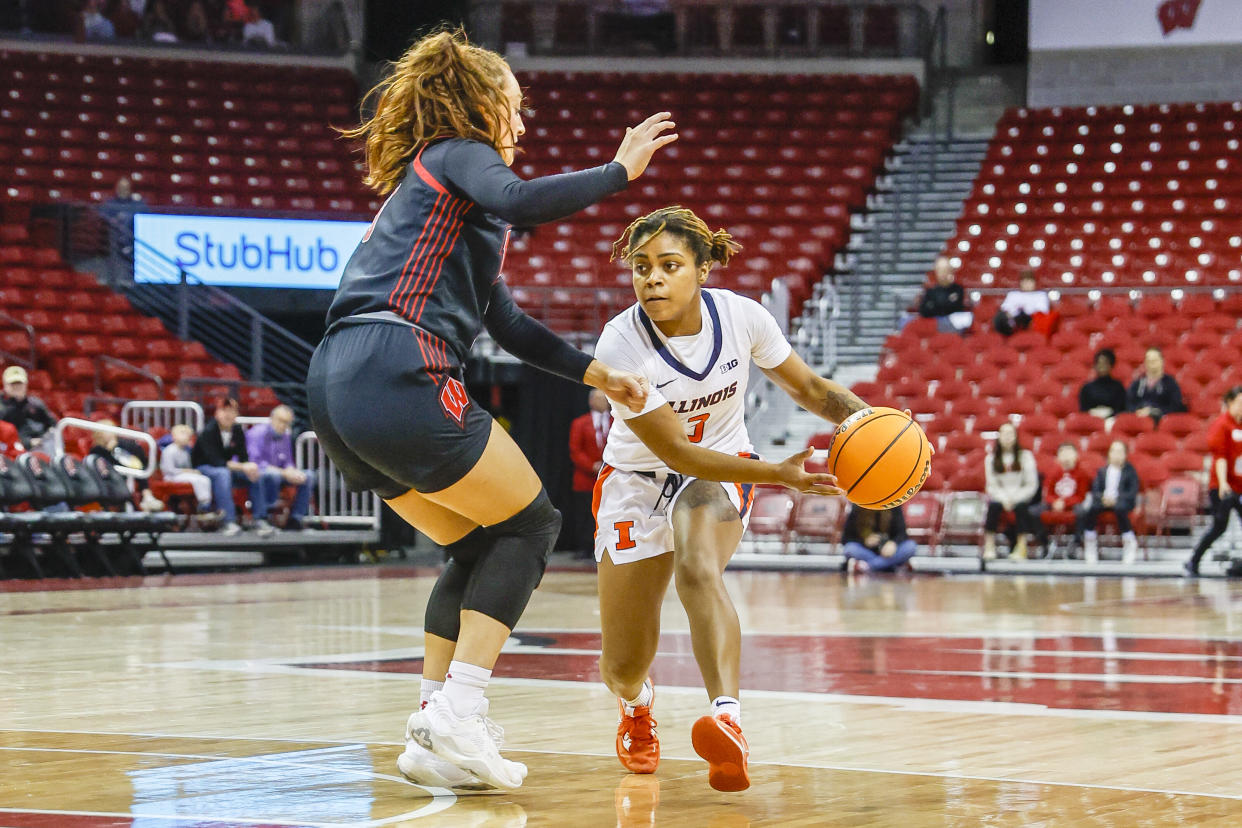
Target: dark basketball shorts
389, 407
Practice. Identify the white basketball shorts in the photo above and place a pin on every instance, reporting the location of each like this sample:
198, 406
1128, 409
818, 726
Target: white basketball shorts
634, 512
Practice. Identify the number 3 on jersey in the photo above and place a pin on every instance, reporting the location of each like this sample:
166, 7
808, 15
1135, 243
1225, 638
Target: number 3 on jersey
700, 421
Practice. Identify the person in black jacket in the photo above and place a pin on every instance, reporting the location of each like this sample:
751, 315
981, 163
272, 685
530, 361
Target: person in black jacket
30, 415
1154, 393
1104, 395
944, 299
220, 453
877, 539
1115, 490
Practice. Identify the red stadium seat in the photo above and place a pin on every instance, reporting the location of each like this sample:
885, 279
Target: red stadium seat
922, 515
770, 512
1128, 425
1177, 506
817, 518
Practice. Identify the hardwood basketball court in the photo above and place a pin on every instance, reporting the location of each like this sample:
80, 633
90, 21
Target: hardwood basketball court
278, 699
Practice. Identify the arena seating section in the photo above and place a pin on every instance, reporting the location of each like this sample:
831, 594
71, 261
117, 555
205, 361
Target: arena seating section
1131, 215
786, 194
188, 134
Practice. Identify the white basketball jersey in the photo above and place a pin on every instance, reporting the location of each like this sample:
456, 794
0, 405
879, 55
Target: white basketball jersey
702, 377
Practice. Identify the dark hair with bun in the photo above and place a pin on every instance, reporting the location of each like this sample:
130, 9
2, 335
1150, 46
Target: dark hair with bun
716, 247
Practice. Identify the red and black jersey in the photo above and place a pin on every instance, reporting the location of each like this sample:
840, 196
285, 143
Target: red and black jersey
1225, 442
434, 251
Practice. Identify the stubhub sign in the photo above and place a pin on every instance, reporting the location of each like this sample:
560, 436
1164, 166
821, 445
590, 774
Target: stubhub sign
251, 252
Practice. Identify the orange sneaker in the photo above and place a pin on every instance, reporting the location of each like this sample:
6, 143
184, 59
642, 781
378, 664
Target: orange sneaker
638, 746
719, 740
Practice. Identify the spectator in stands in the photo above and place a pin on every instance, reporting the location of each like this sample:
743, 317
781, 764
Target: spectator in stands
194, 25
220, 453
158, 24
875, 540
1023, 307
1225, 494
177, 467
29, 414
93, 25
643, 21
945, 301
1115, 490
1154, 393
126, 19
1063, 491
1104, 395
129, 454
123, 196
587, 435
258, 31
270, 445
1012, 485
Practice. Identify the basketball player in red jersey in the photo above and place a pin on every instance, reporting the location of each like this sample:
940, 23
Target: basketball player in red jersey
1225, 443
660, 511
385, 386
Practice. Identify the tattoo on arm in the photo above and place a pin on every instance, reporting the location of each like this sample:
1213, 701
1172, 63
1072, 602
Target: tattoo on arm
839, 403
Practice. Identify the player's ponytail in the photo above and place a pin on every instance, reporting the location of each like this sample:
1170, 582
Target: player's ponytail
707, 246
442, 86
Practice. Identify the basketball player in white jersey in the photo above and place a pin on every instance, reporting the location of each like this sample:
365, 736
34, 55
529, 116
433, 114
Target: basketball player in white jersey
658, 513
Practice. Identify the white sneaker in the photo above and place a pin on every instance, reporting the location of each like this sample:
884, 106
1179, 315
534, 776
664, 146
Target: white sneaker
150, 503
231, 528
422, 767
264, 529
1129, 546
1091, 550
466, 742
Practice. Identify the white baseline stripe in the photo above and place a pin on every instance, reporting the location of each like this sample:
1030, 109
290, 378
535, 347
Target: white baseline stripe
1118, 655
1121, 678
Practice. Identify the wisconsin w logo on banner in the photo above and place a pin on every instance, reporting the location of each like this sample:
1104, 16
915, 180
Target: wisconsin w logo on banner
1177, 14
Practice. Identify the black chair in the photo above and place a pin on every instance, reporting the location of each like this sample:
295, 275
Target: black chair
51, 496
17, 489
119, 515
84, 488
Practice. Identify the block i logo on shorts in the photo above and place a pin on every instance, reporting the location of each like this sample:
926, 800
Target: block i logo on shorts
455, 401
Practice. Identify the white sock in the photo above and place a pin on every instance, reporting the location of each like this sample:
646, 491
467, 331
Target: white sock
1089, 535
727, 704
425, 689
643, 699
1129, 536
464, 686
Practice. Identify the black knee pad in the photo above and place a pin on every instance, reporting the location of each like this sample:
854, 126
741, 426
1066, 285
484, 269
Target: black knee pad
502, 579
443, 614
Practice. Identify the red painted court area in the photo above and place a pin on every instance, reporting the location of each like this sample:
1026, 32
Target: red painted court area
1161, 675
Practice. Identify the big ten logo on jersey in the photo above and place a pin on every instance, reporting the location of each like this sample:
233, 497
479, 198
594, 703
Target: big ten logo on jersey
455, 401
728, 366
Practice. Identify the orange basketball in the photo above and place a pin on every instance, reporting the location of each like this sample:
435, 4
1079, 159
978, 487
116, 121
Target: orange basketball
880, 457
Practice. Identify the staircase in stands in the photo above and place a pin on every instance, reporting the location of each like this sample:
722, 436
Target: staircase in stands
892, 248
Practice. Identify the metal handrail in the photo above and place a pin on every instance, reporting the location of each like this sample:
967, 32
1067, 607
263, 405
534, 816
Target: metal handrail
58, 442
102, 360
30, 334
336, 503
162, 414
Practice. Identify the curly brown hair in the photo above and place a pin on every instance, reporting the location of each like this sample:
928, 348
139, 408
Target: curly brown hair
442, 86
706, 245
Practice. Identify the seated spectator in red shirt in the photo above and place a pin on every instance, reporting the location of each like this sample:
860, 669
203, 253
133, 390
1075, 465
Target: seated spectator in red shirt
1063, 491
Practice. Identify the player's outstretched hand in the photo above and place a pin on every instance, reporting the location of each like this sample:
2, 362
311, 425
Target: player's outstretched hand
624, 388
641, 142
793, 474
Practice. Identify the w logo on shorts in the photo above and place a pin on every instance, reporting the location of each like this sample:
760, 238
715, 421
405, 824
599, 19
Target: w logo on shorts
455, 401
